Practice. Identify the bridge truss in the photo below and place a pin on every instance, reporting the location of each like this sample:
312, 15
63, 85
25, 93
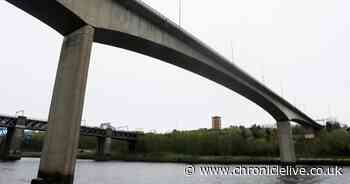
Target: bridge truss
41, 125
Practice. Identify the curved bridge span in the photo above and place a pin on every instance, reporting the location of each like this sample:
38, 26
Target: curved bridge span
132, 25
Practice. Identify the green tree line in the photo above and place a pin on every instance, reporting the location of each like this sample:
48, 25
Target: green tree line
333, 140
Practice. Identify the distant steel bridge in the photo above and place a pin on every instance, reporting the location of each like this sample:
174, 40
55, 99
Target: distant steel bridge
3, 132
7, 121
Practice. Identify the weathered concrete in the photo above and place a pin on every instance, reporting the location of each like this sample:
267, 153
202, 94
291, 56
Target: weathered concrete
103, 152
132, 25
286, 142
57, 162
10, 149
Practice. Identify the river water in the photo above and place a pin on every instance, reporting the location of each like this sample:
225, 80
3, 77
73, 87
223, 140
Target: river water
90, 172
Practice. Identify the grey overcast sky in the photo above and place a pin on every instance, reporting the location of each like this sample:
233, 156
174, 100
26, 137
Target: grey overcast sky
300, 49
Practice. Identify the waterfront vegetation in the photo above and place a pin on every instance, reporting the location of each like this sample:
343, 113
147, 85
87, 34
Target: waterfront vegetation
229, 144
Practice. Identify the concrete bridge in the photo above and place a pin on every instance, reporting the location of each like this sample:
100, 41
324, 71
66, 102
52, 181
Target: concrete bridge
132, 25
10, 149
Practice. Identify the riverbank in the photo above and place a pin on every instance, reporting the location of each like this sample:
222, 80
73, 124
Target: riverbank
176, 158
191, 159
83, 156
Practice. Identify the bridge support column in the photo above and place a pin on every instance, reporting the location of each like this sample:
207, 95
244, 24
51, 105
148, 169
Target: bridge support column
58, 158
132, 146
286, 143
11, 147
104, 144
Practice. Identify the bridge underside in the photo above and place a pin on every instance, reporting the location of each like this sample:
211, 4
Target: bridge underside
134, 26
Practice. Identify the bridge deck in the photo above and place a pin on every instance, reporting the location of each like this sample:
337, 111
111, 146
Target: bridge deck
133, 25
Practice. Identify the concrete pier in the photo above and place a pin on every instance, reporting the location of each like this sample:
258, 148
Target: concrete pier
286, 142
103, 152
58, 159
309, 133
10, 150
132, 146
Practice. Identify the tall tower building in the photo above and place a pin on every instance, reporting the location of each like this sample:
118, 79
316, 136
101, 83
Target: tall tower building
216, 122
